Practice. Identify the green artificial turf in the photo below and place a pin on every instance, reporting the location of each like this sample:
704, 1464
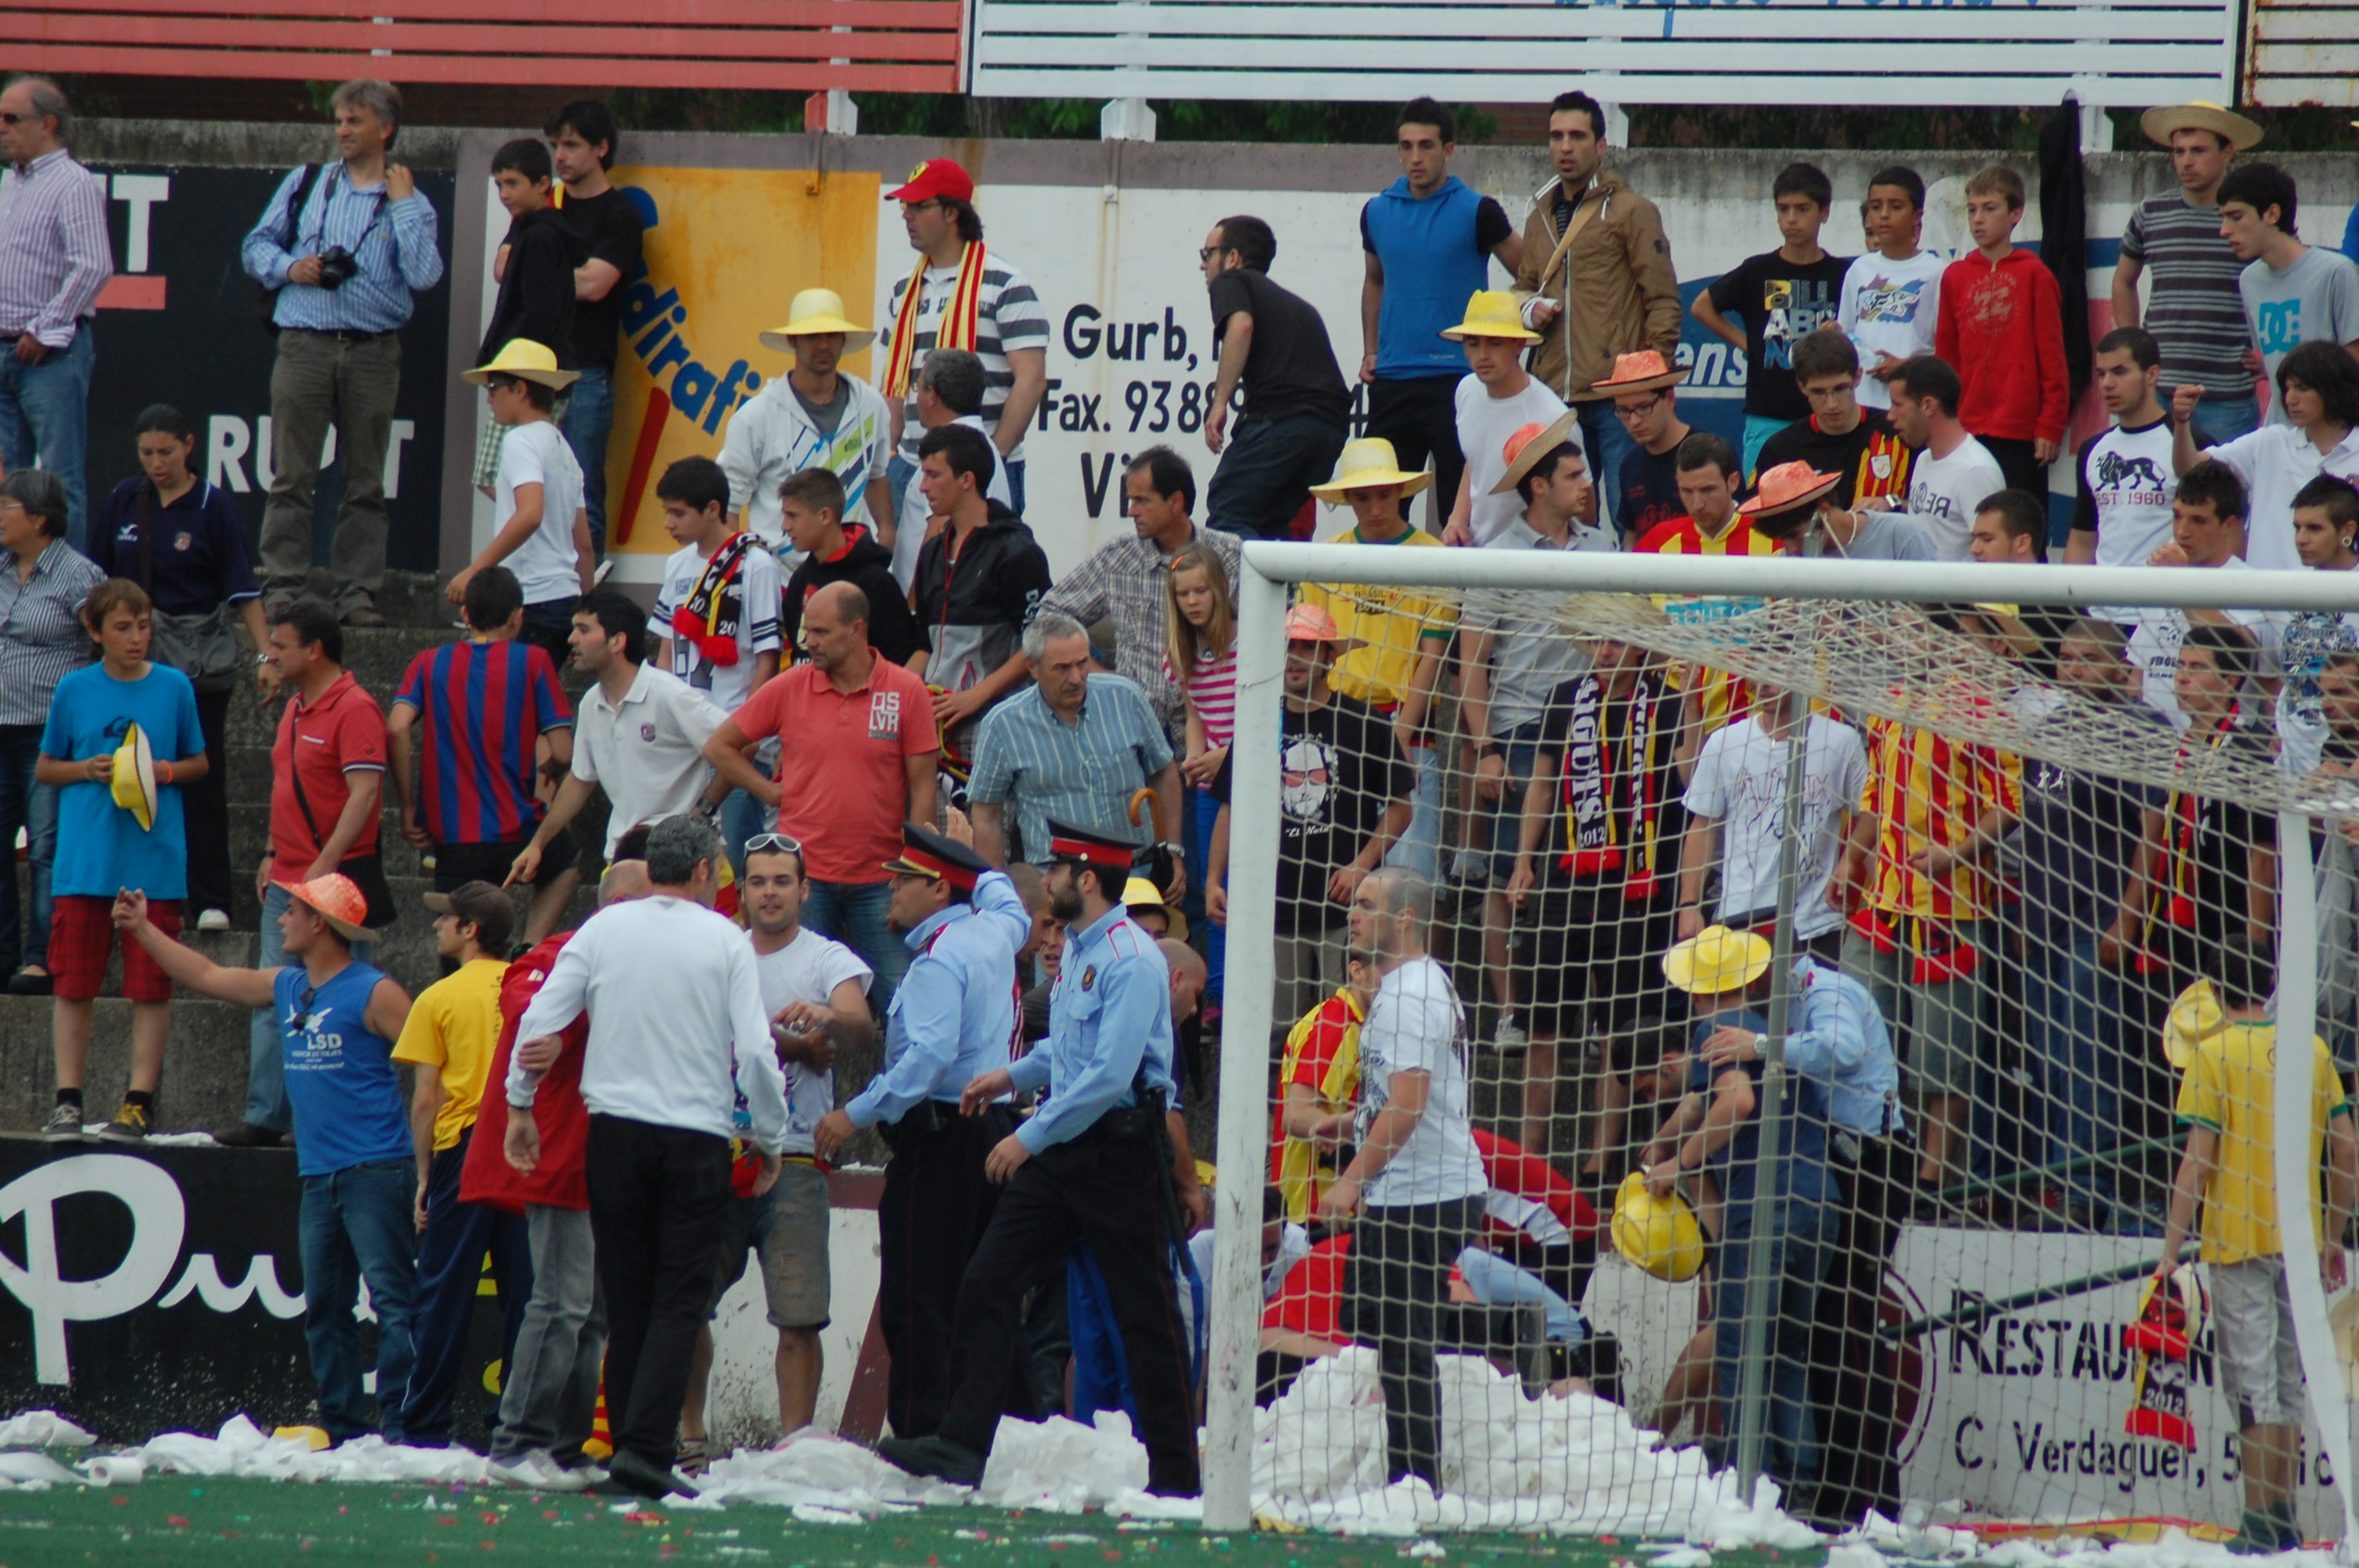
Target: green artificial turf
252, 1523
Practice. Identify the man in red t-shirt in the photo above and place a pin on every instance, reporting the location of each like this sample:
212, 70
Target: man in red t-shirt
327, 770
548, 1396
856, 761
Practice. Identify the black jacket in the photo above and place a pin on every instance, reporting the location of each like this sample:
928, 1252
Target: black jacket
974, 612
868, 567
536, 299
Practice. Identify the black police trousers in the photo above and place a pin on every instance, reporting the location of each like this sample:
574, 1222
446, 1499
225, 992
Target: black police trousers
1108, 1191
929, 1219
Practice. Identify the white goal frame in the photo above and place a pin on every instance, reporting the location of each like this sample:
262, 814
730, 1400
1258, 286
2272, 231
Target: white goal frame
1268, 573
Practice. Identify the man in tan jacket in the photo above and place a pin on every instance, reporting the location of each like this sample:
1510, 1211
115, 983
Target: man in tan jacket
1596, 279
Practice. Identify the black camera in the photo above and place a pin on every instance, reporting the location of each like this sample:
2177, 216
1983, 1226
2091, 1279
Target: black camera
336, 267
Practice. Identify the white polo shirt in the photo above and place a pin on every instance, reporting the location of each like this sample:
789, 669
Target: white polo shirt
2275, 462
648, 751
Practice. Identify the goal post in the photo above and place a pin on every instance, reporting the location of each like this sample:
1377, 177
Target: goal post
1826, 632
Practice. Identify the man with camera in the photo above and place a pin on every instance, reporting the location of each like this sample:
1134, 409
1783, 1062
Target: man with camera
338, 252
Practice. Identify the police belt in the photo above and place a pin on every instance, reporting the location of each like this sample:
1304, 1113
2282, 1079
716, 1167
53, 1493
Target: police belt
926, 1119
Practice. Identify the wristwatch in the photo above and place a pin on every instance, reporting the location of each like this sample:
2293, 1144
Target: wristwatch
1179, 852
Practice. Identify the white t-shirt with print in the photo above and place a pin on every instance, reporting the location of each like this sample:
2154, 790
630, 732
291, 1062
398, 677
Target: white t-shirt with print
759, 585
1944, 492
2129, 480
1740, 781
1484, 423
2155, 639
1417, 1025
808, 968
545, 565
1890, 308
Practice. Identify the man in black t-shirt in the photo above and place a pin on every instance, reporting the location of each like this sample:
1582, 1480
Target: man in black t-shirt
1343, 789
1645, 399
581, 144
1783, 296
1839, 437
1273, 346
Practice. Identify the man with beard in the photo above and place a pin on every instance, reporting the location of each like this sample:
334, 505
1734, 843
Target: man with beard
951, 1022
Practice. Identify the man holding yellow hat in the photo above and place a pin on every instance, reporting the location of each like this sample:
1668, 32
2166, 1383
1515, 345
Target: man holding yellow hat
2193, 308
1715, 1130
1497, 399
815, 417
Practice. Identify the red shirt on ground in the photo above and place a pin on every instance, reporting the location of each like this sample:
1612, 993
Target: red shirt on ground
562, 1179
318, 743
2002, 328
843, 762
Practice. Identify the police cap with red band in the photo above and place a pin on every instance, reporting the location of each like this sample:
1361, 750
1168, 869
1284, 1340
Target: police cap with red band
1080, 847
926, 853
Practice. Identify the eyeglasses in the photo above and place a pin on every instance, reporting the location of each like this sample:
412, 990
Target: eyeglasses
1637, 411
773, 844
1207, 253
8, 119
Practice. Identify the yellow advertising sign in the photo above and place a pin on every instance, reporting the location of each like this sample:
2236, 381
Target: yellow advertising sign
726, 249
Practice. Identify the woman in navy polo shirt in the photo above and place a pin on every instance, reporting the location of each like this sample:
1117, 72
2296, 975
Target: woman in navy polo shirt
183, 540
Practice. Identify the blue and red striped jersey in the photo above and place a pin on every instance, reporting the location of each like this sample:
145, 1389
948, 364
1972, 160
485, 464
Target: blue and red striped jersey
482, 707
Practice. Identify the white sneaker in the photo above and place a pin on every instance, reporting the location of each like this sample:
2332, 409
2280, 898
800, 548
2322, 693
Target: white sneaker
520, 1470
1507, 1036
213, 920
558, 1478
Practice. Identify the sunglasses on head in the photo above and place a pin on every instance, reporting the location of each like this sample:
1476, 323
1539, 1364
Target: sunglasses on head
773, 844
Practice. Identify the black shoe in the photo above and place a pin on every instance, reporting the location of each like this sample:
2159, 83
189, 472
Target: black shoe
627, 1469
933, 1455
130, 1125
246, 1135
31, 982
64, 1125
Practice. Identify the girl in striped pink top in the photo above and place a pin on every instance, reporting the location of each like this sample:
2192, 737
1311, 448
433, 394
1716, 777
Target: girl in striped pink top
1202, 656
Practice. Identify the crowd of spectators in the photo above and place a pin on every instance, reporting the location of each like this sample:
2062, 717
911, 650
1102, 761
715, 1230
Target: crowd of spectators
1507, 855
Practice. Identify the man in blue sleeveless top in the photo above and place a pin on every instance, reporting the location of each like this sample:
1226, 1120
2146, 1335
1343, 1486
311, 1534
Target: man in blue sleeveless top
1428, 240
338, 1020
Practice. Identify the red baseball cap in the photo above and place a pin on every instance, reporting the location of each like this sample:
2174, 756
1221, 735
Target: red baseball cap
935, 177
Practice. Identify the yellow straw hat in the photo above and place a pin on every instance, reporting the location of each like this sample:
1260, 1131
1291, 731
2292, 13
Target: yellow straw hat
527, 360
1662, 1237
1492, 313
2160, 123
1140, 893
1365, 464
814, 311
1716, 960
134, 777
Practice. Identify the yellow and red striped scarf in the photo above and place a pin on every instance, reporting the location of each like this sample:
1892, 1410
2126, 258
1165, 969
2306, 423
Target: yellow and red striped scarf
959, 318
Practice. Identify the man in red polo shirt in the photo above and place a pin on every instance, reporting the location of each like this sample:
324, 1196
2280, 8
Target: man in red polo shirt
327, 770
856, 759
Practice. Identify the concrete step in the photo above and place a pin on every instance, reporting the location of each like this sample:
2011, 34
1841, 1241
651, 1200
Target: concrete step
204, 1064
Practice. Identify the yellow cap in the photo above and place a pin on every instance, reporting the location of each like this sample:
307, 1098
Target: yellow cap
527, 360
134, 782
1662, 1237
814, 312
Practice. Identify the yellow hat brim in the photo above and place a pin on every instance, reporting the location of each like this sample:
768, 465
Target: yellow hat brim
1334, 491
133, 782
1504, 331
782, 339
2159, 122
1679, 969
554, 380
1660, 1238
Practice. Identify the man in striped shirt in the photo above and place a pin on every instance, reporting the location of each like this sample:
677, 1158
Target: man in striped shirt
481, 709
1924, 907
344, 259
54, 258
1010, 329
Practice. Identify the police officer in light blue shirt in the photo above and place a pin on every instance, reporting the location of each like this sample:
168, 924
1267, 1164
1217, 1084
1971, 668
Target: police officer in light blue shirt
951, 1020
1092, 1165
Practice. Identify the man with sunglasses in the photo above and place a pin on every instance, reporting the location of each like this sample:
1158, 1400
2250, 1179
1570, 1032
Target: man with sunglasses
952, 1020
338, 1020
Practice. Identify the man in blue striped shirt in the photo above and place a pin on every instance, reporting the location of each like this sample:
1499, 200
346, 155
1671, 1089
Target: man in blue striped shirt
344, 247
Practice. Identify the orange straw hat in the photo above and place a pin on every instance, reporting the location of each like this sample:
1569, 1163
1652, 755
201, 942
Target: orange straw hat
1788, 486
1311, 623
1641, 372
336, 898
1529, 444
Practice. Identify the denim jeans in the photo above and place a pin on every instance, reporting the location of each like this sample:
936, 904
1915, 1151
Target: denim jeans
1204, 811
1798, 1258
548, 626
548, 1396
1266, 474
451, 1252
742, 816
853, 915
357, 1224
45, 412
265, 1064
1015, 484
2221, 419
2071, 1010
589, 421
33, 807
1608, 443
1419, 849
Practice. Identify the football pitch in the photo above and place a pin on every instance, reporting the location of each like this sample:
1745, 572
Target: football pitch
245, 1523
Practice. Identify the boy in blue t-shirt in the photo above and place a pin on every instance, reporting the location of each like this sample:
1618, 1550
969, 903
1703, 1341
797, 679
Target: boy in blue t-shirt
102, 848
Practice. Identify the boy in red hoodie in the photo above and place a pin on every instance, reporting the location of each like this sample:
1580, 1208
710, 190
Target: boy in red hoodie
2002, 324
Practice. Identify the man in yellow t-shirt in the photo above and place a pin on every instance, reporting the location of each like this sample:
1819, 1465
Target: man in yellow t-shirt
452, 1030
1395, 638
2227, 1102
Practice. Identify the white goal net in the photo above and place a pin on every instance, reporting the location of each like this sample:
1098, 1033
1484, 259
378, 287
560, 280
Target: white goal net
1735, 1018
